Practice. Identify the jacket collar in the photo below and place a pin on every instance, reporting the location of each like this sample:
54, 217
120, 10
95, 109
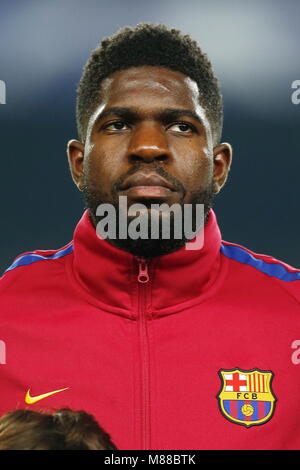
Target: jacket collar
110, 275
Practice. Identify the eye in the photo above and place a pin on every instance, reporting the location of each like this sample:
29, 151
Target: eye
116, 126
182, 127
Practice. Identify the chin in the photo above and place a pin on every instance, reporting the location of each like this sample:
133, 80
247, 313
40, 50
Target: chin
148, 248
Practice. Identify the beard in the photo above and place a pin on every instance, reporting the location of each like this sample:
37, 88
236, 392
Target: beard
149, 247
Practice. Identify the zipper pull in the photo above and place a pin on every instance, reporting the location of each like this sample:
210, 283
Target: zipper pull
143, 275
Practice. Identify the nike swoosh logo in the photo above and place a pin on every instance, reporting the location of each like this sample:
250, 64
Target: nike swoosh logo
29, 400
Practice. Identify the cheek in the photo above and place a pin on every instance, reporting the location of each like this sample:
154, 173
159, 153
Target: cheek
196, 169
105, 159
99, 169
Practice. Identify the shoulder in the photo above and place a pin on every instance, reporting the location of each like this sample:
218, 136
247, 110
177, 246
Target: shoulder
37, 260
261, 268
263, 263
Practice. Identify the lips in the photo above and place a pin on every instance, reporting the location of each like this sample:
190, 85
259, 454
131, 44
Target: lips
150, 179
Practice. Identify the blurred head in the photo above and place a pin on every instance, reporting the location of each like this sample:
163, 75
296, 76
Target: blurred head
63, 430
149, 106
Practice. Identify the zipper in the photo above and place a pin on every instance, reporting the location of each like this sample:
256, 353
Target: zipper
143, 279
143, 275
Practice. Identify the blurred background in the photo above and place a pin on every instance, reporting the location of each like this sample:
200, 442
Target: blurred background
254, 47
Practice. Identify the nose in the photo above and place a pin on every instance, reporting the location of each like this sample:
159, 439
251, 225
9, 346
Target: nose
148, 143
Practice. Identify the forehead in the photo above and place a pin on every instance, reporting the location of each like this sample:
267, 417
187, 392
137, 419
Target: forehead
148, 85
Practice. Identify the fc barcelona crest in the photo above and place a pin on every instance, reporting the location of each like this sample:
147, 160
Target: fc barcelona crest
246, 396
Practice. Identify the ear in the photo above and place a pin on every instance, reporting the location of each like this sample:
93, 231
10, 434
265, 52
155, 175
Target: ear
222, 162
75, 152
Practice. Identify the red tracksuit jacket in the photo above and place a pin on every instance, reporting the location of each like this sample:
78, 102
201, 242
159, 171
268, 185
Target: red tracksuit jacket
203, 355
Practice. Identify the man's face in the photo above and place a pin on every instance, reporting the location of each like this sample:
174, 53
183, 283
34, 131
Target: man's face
149, 140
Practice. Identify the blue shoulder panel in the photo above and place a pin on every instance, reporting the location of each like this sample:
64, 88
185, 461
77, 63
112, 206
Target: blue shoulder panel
271, 269
33, 257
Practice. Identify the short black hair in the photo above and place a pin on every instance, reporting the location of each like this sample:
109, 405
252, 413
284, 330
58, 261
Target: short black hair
149, 44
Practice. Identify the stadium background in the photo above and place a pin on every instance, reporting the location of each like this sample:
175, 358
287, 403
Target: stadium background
254, 48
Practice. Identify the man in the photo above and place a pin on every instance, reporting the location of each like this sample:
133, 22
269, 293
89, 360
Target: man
168, 347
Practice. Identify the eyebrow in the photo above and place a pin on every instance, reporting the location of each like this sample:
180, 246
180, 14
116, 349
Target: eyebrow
132, 115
